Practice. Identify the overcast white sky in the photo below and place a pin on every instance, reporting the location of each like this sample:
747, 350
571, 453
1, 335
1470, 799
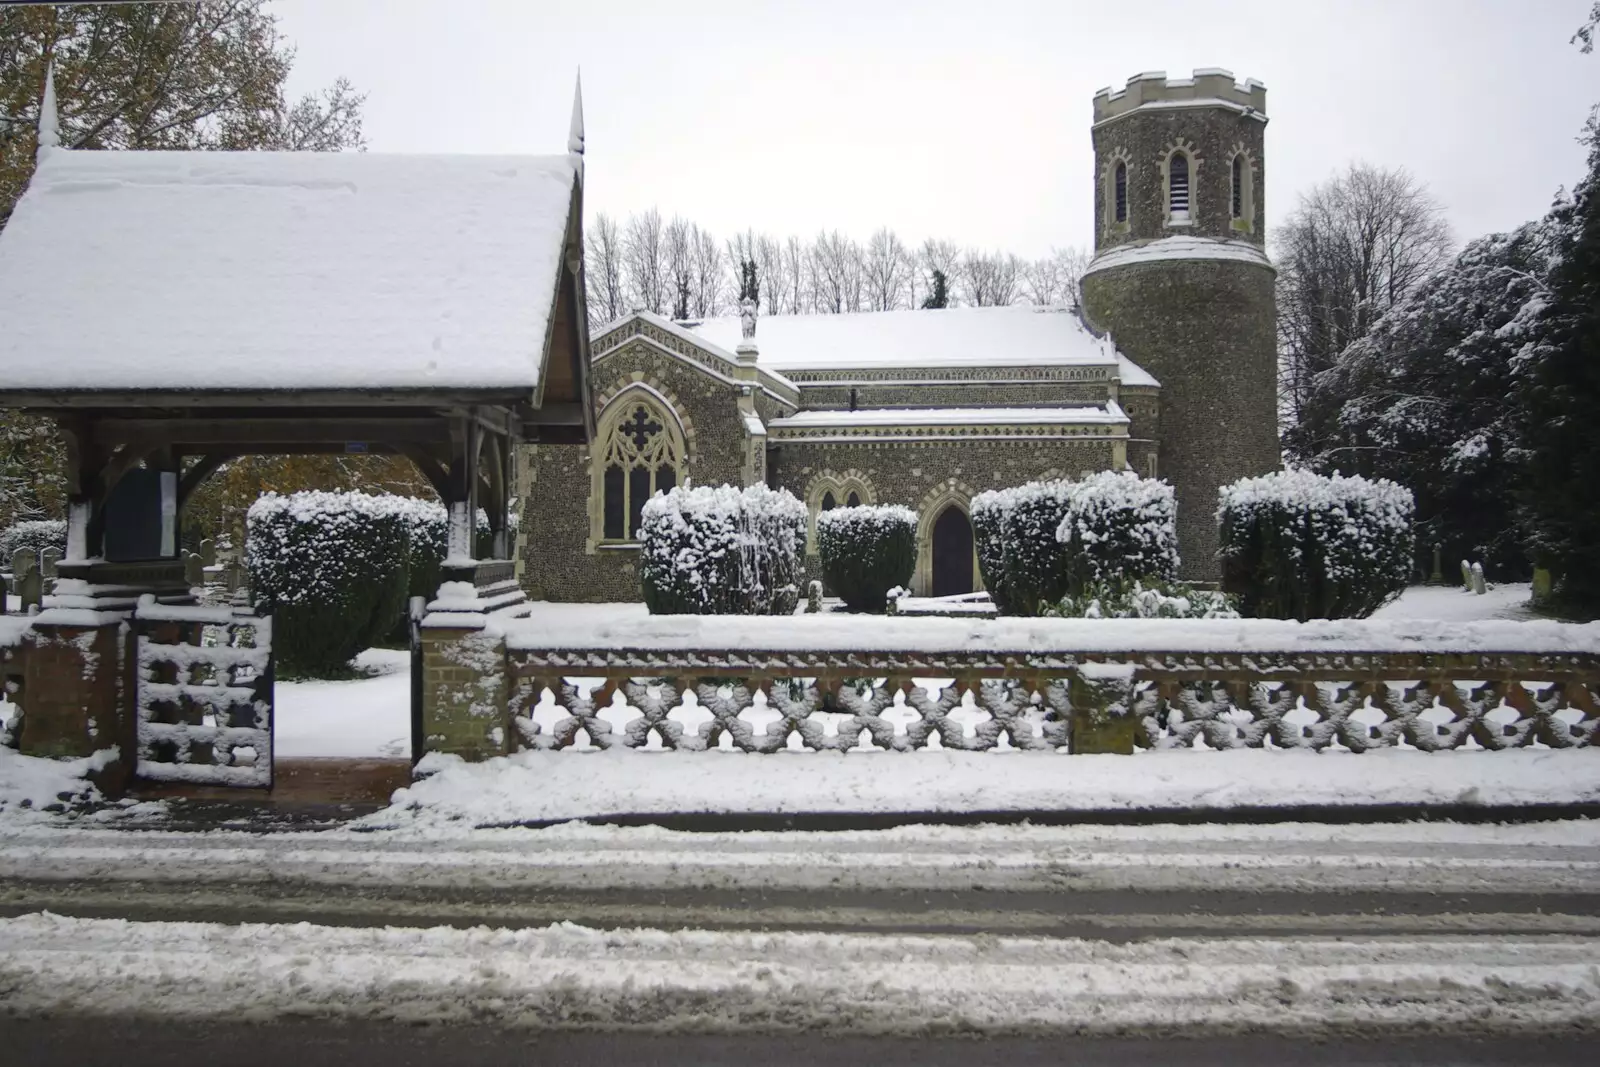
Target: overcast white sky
969, 120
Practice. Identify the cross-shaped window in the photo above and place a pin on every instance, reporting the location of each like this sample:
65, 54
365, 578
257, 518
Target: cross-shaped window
641, 427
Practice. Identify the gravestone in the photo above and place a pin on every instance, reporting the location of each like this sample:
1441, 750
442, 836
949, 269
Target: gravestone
194, 572
47, 562
1466, 575
208, 553
1479, 586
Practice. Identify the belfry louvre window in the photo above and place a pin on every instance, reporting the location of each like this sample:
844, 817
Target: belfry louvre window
640, 459
1178, 187
1120, 182
1238, 187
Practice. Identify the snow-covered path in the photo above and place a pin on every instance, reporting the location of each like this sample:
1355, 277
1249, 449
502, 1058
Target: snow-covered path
698, 981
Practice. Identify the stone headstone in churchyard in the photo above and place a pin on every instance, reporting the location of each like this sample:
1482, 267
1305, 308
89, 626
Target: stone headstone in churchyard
194, 572
30, 589
1437, 577
1479, 586
1466, 575
1543, 584
208, 553
47, 562
23, 560
813, 597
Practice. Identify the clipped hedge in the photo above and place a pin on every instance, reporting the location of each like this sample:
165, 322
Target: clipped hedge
1041, 543
37, 534
332, 568
1298, 545
867, 551
1119, 526
1023, 566
722, 551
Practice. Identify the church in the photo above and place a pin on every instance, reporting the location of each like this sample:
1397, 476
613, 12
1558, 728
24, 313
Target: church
1167, 369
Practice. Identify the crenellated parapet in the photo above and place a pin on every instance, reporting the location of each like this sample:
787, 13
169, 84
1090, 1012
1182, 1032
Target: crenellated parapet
1207, 86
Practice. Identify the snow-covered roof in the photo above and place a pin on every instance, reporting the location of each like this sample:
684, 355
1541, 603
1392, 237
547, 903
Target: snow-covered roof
1170, 248
1130, 373
1016, 336
1110, 414
726, 355
282, 270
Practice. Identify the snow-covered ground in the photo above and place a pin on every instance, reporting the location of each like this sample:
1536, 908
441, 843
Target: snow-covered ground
1454, 604
568, 976
364, 717
542, 786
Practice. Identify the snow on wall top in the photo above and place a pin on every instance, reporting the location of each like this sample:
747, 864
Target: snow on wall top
1171, 248
1207, 87
1109, 414
1017, 336
282, 270
659, 634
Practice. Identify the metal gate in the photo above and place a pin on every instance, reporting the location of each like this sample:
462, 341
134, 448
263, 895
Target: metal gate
203, 695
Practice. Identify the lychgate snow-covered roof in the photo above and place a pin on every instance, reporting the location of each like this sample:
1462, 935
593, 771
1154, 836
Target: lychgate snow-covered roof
950, 337
282, 270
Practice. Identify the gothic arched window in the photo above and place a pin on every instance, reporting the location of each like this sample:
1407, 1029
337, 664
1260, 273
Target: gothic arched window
642, 454
1120, 191
1178, 187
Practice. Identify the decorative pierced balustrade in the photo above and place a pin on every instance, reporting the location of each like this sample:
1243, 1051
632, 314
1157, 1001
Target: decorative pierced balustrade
1301, 689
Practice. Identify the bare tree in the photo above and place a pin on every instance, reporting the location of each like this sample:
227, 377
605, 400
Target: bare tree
603, 270
680, 242
1055, 279
645, 259
795, 274
709, 282
1354, 247
886, 270
989, 280
768, 256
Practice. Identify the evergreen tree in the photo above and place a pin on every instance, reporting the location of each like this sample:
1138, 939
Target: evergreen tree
1559, 400
1427, 392
940, 297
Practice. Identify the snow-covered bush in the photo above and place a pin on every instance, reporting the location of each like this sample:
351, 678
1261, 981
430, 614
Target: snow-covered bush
722, 551
37, 534
332, 569
867, 551
1045, 541
1119, 527
1123, 599
1298, 545
1022, 563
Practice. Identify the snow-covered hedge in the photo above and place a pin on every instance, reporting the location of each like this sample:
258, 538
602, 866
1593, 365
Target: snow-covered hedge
1119, 599
722, 551
867, 551
1022, 563
1120, 527
1045, 541
1298, 545
332, 568
37, 534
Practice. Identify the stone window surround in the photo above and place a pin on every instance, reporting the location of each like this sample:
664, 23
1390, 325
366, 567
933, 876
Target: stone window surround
619, 406
1187, 148
1117, 155
841, 484
1245, 220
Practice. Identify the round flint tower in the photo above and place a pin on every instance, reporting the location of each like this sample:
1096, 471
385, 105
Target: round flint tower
1182, 282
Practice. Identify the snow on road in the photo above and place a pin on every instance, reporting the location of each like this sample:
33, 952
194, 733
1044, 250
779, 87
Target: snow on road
570, 976
1414, 857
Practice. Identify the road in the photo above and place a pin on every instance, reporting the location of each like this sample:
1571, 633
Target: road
1204, 933
136, 1043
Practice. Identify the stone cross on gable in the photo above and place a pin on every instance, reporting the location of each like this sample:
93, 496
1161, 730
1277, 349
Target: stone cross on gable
641, 427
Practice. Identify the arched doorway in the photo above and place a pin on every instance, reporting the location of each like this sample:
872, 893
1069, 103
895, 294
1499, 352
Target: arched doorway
952, 552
